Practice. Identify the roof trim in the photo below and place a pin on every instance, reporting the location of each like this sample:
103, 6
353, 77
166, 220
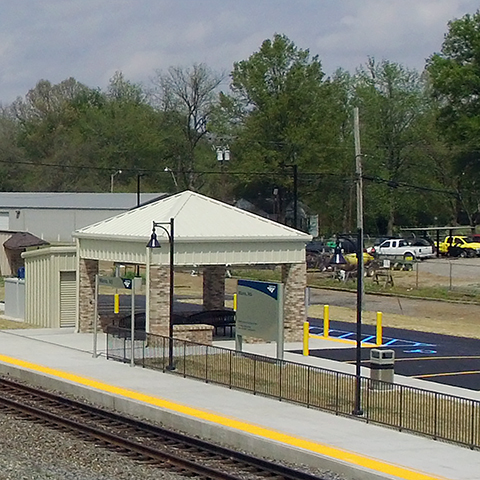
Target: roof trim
302, 237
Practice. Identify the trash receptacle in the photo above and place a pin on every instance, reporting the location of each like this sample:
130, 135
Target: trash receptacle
381, 368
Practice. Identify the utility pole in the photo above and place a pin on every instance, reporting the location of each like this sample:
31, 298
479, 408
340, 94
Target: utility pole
295, 195
358, 174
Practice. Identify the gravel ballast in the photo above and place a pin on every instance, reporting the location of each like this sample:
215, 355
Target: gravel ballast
31, 451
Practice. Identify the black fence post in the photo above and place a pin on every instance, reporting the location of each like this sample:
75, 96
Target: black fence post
206, 364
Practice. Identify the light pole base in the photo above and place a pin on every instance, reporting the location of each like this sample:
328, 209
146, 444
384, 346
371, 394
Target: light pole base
357, 413
170, 367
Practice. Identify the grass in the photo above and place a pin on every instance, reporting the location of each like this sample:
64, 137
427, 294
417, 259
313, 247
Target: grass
404, 285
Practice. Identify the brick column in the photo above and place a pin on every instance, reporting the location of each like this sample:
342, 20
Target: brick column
294, 277
159, 300
214, 287
86, 298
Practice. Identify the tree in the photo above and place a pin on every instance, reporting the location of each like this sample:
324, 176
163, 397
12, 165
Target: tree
393, 105
283, 112
455, 78
74, 137
188, 96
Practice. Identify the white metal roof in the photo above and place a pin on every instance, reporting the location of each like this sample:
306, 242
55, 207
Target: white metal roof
197, 218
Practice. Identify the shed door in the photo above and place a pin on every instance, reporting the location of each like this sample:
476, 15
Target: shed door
68, 299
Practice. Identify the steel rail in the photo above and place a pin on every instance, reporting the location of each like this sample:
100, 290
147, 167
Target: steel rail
197, 449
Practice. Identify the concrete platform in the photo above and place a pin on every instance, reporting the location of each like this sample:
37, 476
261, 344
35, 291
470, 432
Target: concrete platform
63, 360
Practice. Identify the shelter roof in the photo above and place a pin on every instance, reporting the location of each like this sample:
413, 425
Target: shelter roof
197, 218
21, 240
71, 200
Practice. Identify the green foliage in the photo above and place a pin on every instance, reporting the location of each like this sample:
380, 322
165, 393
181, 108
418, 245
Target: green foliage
395, 115
455, 75
281, 111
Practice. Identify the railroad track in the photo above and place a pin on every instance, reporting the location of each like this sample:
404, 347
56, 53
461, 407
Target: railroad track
138, 440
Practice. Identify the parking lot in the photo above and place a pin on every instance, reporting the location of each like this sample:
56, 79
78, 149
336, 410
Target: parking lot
439, 358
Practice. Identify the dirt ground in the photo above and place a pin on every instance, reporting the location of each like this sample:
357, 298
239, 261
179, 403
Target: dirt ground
427, 316
438, 317
441, 317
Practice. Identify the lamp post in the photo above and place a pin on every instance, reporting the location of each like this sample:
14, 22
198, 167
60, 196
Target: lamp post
139, 176
359, 190
154, 243
112, 176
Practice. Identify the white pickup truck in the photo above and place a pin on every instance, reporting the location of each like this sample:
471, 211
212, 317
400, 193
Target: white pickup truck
399, 247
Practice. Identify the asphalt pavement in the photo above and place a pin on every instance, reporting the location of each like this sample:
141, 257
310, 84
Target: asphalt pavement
439, 358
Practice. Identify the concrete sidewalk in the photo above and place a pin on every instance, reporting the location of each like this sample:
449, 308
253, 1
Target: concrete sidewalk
63, 360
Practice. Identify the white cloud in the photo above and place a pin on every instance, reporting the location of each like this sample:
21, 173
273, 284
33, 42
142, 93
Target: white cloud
406, 31
90, 40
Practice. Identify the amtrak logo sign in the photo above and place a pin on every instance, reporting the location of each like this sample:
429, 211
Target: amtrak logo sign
271, 288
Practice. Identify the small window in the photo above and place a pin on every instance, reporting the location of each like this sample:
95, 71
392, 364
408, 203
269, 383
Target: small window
386, 244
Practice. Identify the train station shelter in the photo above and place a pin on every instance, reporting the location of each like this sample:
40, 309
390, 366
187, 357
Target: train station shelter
208, 235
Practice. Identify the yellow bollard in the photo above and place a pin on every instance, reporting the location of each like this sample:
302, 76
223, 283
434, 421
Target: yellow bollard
379, 328
116, 303
235, 302
306, 337
326, 320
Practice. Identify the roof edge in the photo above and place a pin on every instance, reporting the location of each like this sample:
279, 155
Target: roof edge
302, 237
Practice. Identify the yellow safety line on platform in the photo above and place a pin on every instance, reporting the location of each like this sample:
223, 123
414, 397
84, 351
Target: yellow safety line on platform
332, 452
445, 374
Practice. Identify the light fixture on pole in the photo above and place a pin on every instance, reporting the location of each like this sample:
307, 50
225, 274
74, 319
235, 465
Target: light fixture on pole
168, 169
223, 155
154, 243
112, 176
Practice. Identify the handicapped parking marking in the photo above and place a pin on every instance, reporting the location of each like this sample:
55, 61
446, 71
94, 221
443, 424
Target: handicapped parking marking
417, 347
420, 350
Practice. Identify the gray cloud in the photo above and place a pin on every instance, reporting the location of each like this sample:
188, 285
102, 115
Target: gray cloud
90, 40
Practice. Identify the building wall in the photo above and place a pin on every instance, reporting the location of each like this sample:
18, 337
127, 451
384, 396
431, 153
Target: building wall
42, 283
294, 278
190, 253
87, 270
5, 269
56, 225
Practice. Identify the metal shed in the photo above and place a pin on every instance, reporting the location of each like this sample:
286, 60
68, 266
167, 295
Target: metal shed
51, 286
208, 234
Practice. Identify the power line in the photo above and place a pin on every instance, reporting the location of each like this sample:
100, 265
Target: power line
375, 179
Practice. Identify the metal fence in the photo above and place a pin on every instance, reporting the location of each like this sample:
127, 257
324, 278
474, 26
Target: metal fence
433, 414
455, 274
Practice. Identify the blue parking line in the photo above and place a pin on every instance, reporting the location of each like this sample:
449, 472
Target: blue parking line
367, 339
349, 334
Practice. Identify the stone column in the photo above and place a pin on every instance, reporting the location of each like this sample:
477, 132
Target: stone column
86, 298
294, 278
159, 300
214, 287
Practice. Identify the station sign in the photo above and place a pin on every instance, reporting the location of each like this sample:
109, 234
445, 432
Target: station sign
115, 282
259, 309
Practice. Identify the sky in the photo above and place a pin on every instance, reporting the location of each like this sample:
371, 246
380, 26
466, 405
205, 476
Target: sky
92, 39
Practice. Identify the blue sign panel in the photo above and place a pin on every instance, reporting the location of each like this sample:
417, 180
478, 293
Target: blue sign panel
269, 289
